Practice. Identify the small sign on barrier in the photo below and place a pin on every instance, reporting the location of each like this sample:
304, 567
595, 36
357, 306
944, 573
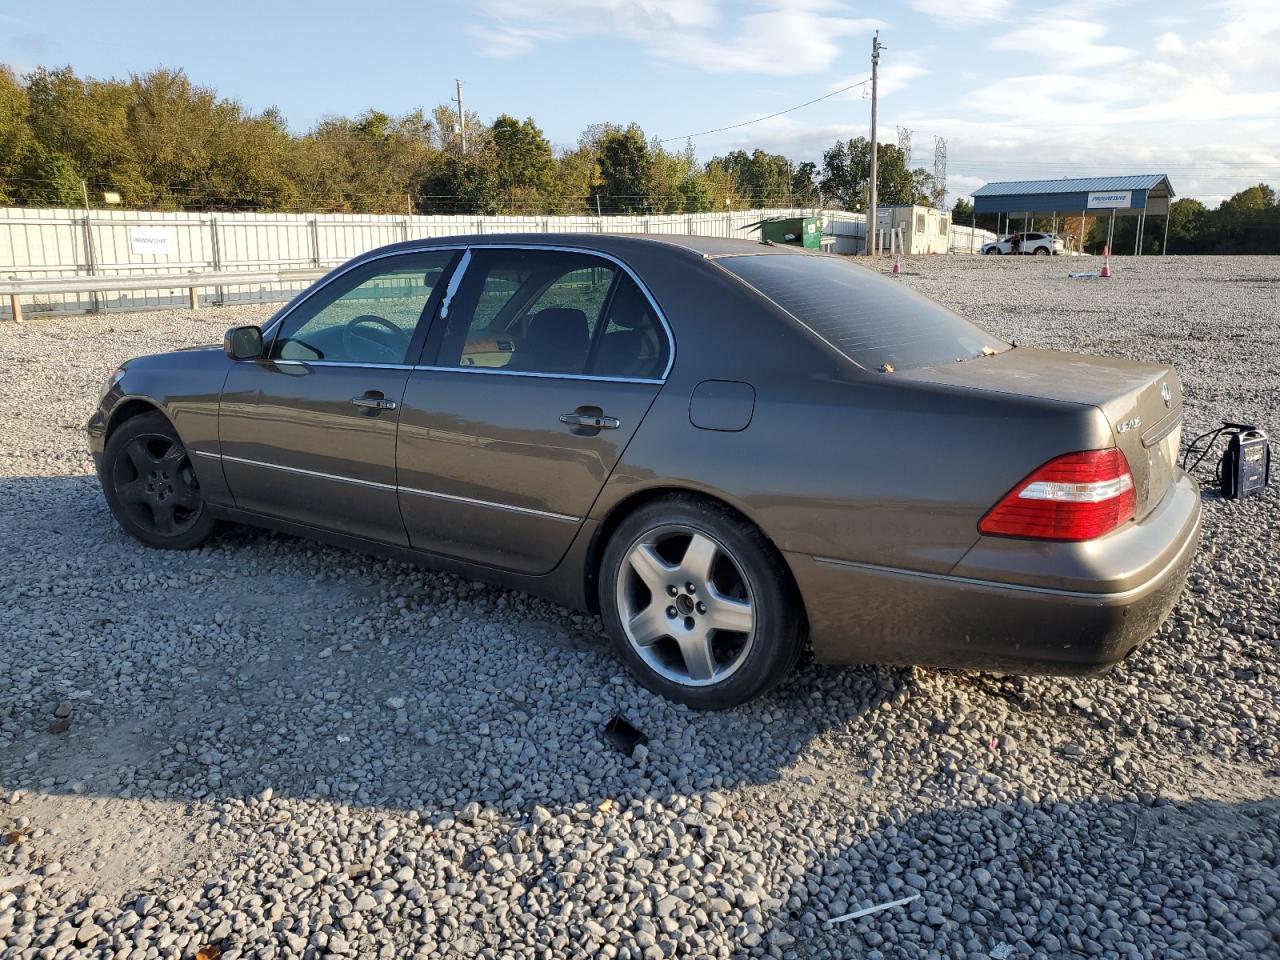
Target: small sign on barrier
150, 241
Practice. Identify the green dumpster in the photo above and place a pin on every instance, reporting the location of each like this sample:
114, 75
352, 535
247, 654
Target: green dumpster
800, 231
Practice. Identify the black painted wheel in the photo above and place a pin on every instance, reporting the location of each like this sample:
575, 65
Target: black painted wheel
151, 487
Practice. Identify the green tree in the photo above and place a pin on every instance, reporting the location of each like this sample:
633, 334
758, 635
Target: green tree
86, 121
1251, 200
524, 166
369, 164
462, 183
623, 156
846, 175
15, 134
696, 195
804, 185
1186, 224
762, 179
48, 178
577, 176
446, 133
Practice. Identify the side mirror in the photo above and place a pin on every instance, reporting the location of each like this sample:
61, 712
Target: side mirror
243, 343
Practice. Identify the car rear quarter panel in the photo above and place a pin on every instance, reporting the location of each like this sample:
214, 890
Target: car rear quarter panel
836, 462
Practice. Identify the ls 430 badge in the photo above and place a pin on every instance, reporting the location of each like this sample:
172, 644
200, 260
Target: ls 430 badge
1124, 426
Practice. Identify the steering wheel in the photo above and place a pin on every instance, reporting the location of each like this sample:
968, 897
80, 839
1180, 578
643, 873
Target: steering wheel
368, 330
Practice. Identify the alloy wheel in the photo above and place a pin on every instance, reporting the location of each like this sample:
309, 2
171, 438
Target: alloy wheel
155, 482
686, 607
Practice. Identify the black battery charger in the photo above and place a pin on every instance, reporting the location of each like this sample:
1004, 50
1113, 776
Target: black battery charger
1244, 469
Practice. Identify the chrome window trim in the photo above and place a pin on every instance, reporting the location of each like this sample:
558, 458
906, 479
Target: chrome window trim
437, 369
268, 332
435, 495
338, 363
534, 373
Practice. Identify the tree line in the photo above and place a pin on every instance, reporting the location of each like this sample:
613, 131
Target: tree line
159, 141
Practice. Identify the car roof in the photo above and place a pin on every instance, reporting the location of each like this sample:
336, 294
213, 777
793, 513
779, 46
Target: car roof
618, 244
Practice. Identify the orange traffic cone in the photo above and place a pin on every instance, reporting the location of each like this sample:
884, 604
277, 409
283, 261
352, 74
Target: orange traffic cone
1106, 262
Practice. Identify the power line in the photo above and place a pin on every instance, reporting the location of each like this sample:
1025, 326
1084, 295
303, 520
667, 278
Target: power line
747, 123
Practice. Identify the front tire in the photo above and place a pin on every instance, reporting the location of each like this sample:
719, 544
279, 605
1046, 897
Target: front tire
700, 605
151, 486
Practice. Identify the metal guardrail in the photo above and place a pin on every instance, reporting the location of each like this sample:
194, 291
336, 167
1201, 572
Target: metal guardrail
191, 281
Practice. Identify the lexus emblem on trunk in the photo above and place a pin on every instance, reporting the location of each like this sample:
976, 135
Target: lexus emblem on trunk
1167, 394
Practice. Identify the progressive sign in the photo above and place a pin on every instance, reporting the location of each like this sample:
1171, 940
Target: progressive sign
1110, 200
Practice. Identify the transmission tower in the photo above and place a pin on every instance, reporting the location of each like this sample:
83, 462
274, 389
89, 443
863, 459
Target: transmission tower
940, 166
904, 144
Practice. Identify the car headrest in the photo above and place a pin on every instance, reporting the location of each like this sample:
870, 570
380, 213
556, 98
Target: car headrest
558, 327
556, 341
630, 308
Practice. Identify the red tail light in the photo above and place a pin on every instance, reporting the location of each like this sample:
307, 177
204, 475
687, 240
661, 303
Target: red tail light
1078, 496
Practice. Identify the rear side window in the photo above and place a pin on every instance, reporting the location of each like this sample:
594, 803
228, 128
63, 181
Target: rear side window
552, 312
874, 321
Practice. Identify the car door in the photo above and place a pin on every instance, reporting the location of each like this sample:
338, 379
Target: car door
541, 367
308, 432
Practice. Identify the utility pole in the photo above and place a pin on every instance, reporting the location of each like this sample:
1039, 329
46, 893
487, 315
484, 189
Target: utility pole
940, 167
873, 233
462, 117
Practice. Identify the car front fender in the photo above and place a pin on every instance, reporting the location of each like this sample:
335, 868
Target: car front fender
184, 386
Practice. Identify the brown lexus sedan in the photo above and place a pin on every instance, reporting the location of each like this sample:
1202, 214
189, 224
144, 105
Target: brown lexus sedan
729, 450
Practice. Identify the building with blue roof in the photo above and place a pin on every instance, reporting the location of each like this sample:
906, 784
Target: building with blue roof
1133, 196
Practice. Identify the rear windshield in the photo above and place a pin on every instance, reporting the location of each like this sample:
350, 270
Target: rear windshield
876, 322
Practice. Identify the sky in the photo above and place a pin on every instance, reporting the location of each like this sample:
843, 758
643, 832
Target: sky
1018, 90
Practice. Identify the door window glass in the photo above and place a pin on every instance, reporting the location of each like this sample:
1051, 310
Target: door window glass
367, 316
532, 311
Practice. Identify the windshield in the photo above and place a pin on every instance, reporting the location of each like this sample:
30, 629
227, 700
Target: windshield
876, 322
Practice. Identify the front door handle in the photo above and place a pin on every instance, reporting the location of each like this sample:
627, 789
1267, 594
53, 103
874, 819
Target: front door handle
374, 403
594, 421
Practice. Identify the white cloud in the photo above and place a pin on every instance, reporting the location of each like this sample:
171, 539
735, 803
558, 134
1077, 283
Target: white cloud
959, 13
785, 37
516, 26
1071, 41
1091, 92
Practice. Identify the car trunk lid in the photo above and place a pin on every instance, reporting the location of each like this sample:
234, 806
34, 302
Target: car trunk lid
1141, 401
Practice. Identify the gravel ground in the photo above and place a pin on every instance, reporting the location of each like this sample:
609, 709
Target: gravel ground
283, 750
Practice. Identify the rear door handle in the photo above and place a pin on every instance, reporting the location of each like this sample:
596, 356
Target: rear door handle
374, 403
596, 422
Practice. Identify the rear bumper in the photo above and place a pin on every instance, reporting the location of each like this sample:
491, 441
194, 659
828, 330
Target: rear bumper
976, 617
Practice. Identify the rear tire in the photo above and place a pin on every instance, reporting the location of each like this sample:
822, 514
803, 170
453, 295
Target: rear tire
699, 604
1045, 250
151, 486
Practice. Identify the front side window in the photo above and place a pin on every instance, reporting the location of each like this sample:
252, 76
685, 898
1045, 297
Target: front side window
550, 312
367, 316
